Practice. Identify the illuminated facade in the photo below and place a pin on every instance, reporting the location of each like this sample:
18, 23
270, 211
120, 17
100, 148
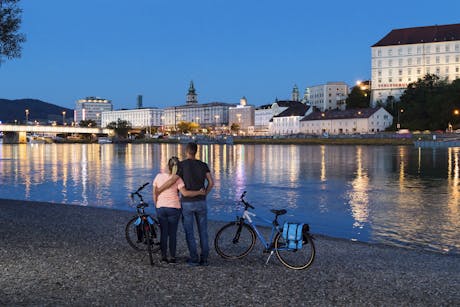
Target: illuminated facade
405, 55
138, 118
91, 108
288, 121
351, 121
242, 115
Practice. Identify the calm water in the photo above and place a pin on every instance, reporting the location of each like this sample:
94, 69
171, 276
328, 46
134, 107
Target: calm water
397, 195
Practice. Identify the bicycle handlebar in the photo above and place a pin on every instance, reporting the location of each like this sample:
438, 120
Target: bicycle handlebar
138, 194
246, 204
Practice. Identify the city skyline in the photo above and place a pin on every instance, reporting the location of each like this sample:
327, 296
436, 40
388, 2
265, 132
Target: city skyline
230, 50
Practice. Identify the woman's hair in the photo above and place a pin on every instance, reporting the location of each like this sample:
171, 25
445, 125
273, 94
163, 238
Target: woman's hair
173, 165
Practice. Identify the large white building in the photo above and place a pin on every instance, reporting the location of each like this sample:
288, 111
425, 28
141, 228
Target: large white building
91, 108
328, 96
288, 121
368, 120
138, 118
405, 55
242, 115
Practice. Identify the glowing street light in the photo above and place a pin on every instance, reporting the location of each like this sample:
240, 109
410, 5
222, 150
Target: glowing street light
63, 118
27, 116
399, 112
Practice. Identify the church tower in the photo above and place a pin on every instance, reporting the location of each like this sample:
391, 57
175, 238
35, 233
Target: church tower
306, 96
192, 97
295, 94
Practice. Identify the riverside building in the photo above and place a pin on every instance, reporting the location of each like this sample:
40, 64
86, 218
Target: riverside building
405, 55
91, 108
138, 118
214, 115
243, 116
329, 96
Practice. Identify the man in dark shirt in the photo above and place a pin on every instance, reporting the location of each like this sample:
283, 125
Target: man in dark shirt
196, 176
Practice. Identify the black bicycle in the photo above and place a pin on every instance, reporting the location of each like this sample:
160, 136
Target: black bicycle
142, 231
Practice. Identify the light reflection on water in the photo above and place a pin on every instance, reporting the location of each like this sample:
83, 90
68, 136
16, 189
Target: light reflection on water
399, 195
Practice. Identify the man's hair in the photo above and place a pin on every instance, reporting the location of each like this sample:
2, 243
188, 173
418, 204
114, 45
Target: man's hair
191, 148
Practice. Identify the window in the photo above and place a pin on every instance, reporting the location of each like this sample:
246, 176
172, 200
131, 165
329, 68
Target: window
400, 51
390, 80
437, 60
379, 63
419, 49
447, 59
390, 63
418, 71
427, 60
390, 72
419, 61
409, 50
379, 52
409, 71
390, 52
400, 62
456, 69
457, 47
409, 61
400, 72
457, 58
438, 48
438, 71
379, 73
447, 48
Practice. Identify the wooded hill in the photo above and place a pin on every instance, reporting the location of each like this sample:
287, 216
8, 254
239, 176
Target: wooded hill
11, 110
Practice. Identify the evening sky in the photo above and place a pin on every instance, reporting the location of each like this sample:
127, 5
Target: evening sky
258, 49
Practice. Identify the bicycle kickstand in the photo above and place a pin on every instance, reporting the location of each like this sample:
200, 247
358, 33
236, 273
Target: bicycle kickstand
269, 256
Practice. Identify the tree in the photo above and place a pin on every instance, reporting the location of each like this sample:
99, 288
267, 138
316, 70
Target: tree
235, 128
87, 123
358, 98
429, 103
10, 22
121, 127
184, 127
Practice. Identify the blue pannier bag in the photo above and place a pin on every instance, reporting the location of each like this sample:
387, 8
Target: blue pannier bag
292, 233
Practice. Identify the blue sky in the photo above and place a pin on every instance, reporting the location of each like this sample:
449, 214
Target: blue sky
259, 49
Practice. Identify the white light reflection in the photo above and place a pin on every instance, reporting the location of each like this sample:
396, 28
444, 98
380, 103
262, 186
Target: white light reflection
359, 195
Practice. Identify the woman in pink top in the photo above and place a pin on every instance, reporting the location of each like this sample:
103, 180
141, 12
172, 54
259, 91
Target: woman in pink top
169, 209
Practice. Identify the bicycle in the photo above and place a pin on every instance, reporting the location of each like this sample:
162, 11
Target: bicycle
236, 239
142, 230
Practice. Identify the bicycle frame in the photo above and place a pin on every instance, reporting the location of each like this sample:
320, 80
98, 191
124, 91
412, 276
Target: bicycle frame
275, 229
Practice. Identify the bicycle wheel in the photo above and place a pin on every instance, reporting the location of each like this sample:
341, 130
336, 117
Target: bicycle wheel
296, 259
137, 241
235, 240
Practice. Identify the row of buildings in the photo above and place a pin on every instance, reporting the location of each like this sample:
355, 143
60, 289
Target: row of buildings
401, 57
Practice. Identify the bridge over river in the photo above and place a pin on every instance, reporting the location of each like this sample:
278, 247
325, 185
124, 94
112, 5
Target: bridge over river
13, 134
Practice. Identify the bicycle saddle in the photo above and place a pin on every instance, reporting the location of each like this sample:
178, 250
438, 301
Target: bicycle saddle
278, 212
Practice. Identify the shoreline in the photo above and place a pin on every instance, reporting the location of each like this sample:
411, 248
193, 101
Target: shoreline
74, 255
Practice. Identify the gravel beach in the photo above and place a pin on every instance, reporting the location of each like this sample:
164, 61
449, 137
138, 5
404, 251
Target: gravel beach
54, 255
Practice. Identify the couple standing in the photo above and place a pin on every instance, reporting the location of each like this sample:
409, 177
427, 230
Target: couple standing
193, 179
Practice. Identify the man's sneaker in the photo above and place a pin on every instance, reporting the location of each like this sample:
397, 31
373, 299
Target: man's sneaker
190, 262
204, 262
164, 260
172, 261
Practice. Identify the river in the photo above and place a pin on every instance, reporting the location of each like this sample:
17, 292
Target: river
397, 195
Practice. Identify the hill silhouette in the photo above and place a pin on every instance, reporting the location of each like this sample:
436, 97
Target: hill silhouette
11, 110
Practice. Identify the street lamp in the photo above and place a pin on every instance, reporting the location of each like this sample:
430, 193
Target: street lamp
399, 112
63, 118
27, 116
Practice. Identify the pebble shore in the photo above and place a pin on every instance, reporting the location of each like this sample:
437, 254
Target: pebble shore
59, 255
